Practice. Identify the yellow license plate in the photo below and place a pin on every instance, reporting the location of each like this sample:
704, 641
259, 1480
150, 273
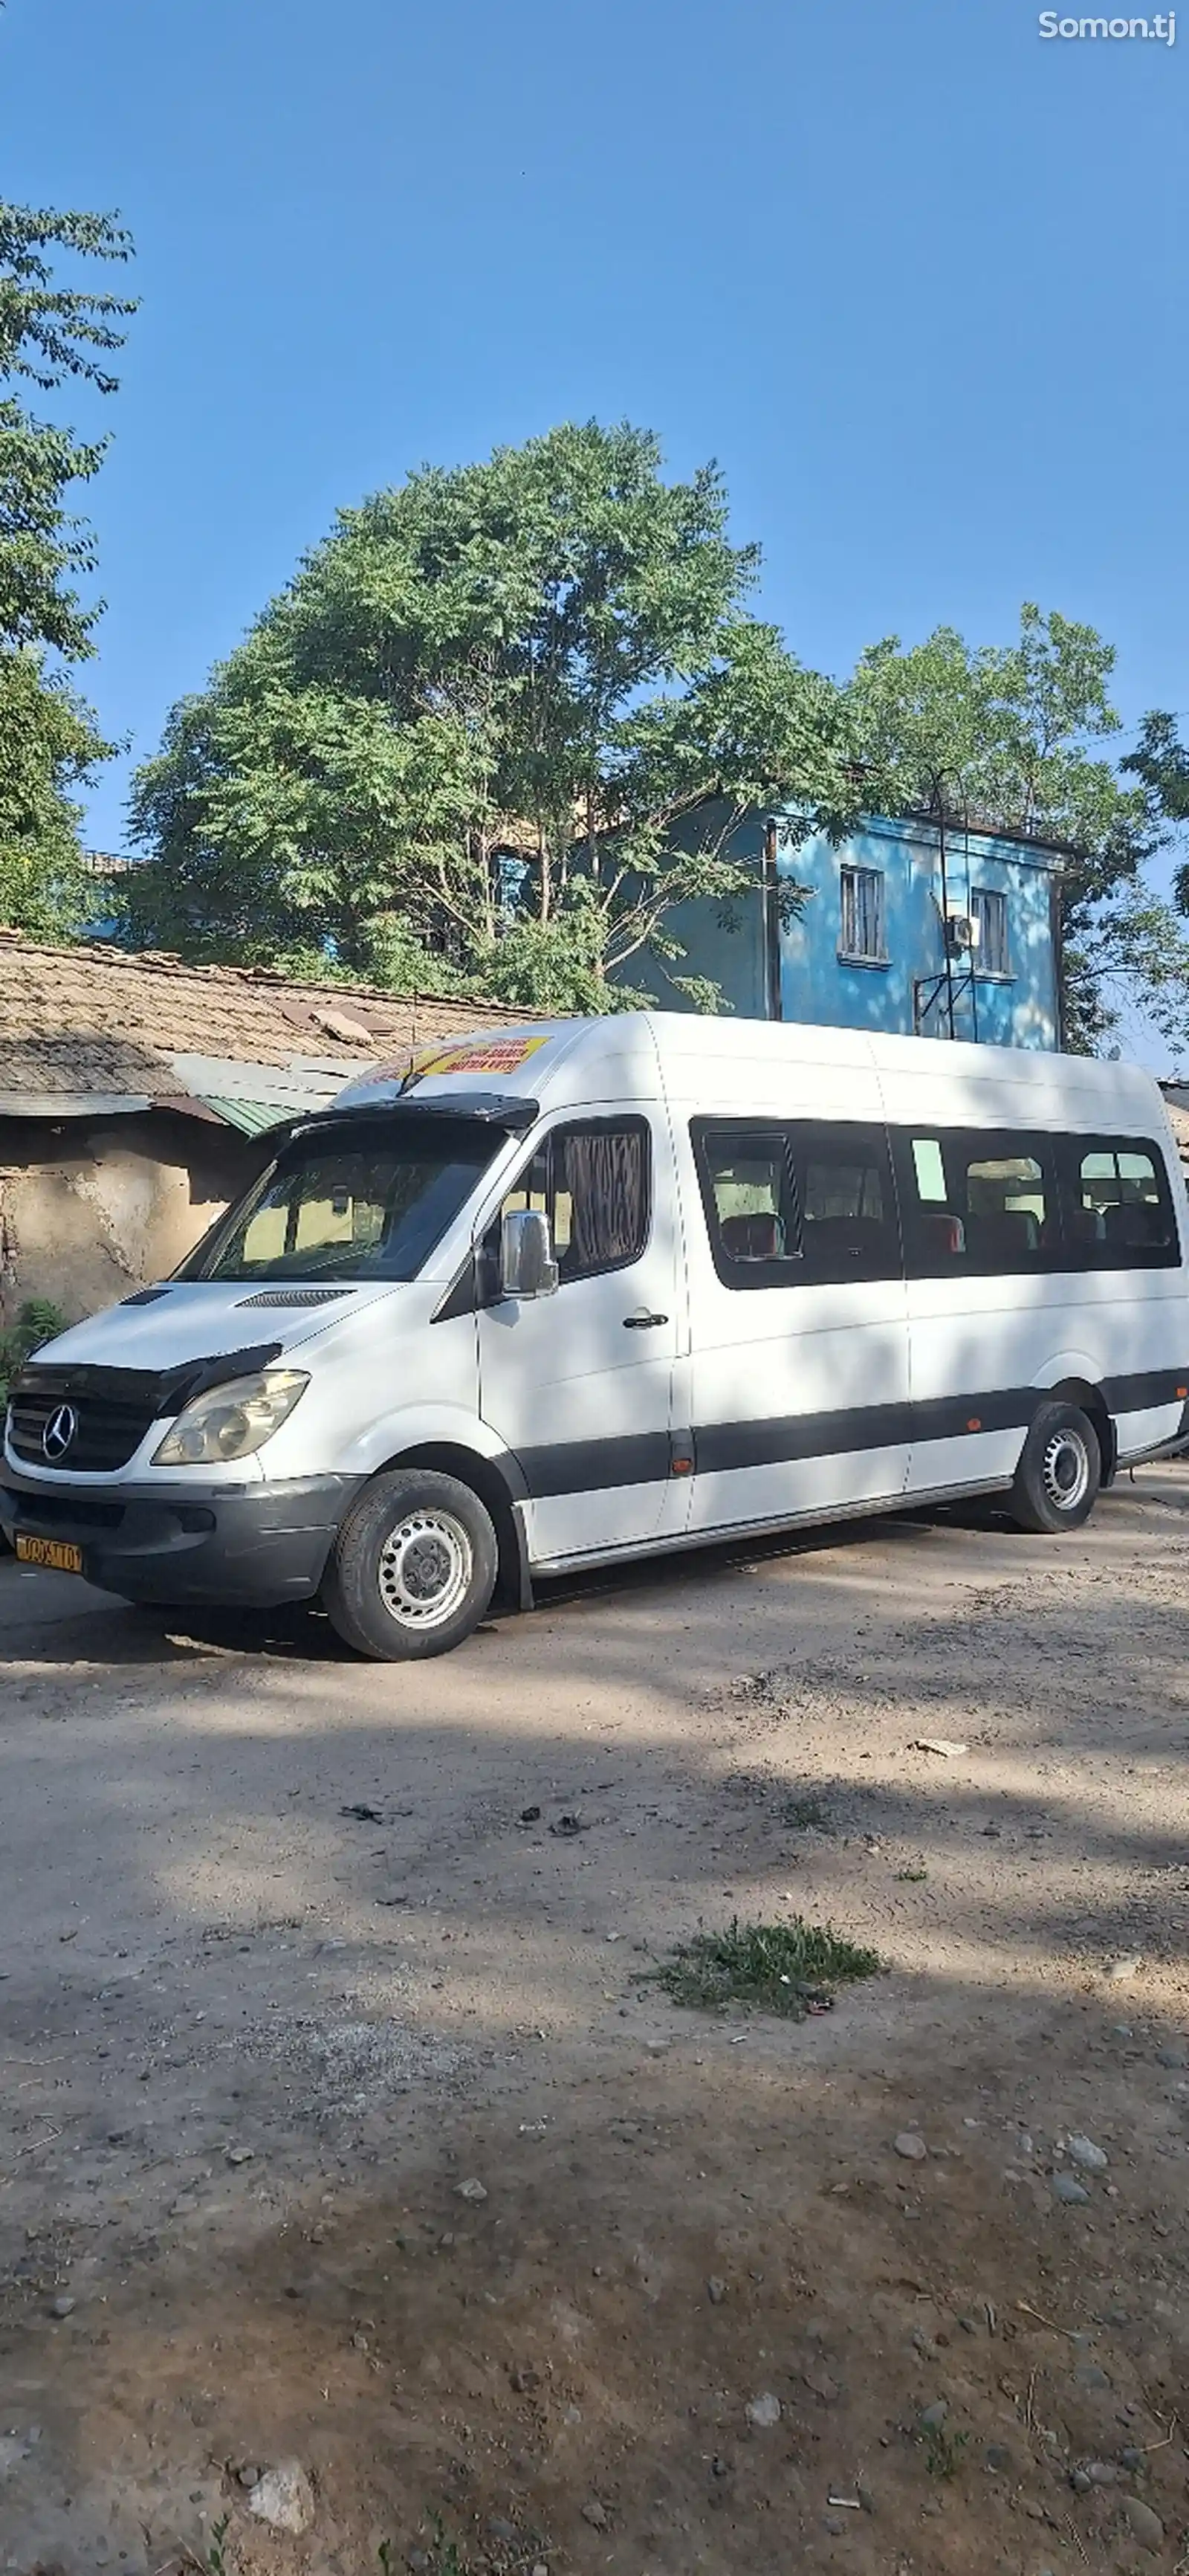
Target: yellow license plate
60, 1553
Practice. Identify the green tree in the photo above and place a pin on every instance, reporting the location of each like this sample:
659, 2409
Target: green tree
1007, 737
501, 723
1159, 944
49, 739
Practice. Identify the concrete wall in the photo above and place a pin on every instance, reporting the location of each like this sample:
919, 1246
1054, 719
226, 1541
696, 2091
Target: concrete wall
1019, 1009
91, 1209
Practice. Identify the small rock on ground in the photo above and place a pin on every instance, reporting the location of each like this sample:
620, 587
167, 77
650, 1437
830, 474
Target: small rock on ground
912, 2146
764, 2411
1144, 2521
1074, 2194
284, 2498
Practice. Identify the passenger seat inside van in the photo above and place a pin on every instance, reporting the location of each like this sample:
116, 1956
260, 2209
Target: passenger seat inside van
1135, 1224
1005, 1238
753, 1238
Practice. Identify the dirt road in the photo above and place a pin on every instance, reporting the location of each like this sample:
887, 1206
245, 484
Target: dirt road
294, 1950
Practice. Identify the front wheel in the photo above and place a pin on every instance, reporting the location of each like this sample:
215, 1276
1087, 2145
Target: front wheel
413, 1568
1059, 1474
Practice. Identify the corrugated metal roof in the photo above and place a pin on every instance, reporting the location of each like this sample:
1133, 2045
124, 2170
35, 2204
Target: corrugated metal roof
252, 1117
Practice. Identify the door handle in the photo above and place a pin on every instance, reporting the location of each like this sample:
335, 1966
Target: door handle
642, 1323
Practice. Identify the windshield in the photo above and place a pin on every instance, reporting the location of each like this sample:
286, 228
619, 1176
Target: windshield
368, 1204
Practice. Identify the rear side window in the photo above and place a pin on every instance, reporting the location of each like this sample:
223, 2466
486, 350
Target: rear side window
1118, 1206
790, 1203
593, 1181
978, 1202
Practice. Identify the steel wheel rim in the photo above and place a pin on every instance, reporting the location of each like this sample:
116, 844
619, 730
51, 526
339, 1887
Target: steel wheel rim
1065, 1470
424, 1570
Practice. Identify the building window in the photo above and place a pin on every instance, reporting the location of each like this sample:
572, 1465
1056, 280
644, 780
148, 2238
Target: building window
863, 916
989, 913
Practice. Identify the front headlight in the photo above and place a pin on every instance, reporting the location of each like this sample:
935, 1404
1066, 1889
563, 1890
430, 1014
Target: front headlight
231, 1421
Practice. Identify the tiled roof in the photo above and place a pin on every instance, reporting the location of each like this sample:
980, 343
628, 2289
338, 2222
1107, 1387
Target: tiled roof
93, 1019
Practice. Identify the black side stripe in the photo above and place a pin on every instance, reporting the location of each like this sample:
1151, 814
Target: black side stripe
1149, 1387
588, 1466
644, 1458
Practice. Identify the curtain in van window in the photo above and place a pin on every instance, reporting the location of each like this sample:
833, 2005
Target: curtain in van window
604, 1173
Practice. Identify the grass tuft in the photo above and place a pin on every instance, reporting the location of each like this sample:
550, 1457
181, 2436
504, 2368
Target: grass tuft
774, 1967
944, 2451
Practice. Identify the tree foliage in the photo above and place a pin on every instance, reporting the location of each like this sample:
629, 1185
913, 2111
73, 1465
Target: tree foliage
501, 723
49, 740
1159, 946
1008, 737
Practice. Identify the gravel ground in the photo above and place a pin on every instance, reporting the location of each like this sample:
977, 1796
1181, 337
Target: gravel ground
293, 1948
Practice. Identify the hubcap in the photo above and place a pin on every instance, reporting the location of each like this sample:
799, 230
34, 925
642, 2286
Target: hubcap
425, 1569
1065, 1470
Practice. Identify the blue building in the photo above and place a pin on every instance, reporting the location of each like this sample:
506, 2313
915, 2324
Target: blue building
896, 932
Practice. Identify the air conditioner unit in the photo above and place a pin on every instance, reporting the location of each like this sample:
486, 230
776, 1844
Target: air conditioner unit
961, 933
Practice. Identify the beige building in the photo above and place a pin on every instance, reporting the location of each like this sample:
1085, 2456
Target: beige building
139, 1095
1176, 1101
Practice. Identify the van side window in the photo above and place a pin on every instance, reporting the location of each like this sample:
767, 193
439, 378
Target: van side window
794, 1203
593, 1182
1118, 1212
978, 1202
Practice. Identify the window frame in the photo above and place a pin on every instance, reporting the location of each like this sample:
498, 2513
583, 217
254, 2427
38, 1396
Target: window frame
852, 956
630, 1122
787, 1269
997, 895
802, 1140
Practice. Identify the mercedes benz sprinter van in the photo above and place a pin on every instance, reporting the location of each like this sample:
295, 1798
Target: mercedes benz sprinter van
589, 1290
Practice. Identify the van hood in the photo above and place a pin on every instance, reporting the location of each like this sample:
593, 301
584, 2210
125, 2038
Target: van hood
187, 1321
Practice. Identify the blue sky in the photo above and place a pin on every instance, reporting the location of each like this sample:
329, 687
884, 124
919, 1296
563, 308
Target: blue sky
913, 274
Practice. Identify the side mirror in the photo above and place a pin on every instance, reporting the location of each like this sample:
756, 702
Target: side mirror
527, 1266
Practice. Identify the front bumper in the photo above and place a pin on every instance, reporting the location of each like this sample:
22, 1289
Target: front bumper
253, 1545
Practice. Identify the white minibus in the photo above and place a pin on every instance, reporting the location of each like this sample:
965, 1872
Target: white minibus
595, 1289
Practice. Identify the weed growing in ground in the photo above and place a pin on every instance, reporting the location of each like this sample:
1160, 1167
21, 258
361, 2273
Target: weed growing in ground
214, 2560
943, 2450
444, 2557
775, 1967
911, 1877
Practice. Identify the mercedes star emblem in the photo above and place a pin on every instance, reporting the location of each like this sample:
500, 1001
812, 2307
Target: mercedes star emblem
59, 1432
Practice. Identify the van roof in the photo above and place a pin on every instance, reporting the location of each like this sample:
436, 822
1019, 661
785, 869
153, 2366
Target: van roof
635, 1055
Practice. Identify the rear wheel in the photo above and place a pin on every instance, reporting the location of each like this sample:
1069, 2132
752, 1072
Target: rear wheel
414, 1566
1060, 1472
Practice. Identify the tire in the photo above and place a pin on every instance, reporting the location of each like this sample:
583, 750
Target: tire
413, 1568
1060, 1472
